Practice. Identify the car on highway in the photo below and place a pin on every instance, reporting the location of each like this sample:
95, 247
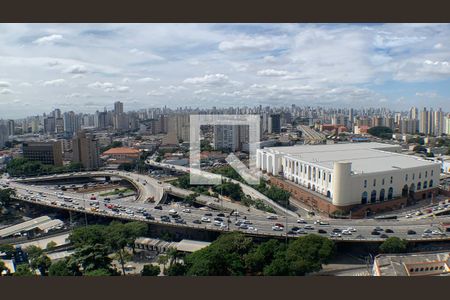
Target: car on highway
411, 232
437, 232
206, 220
272, 217
186, 210
346, 232
322, 231
378, 228
208, 214
149, 217
428, 230
165, 218
388, 230
158, 207
384, 236
197, 222
277, 228
335, 234
301, 221
308, 227
427, 235
319, 222
243, 226
221, 215
180, 221
337, 230
375, 232
218, 219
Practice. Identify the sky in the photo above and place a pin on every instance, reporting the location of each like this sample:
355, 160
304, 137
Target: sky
86, 67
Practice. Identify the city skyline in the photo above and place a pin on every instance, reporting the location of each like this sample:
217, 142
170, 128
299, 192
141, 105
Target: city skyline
85, 68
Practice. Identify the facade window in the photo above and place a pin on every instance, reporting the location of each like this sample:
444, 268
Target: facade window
382, 181
374, 182
373, 196
431, 183
432, 172
329, 178
382, 195
392, 179
319, 174
426, 174
419, 185
365, 183
406, 177
364, 198
420, 175
414, 176
425, 184
390, 193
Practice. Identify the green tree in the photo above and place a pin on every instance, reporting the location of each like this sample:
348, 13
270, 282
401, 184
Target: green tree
99, 272
41, 263
381, 132
162, 260
61, 268
259, 257
8, 250
177, 269
88, 235
23, 270
50, 246
5, 197
150, 270
33, 252
92, 257
394, 245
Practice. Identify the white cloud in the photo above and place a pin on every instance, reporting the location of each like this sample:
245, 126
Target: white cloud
245, 43
54, 82
272, 73
101, 85
49, 39
76, 69
4, 84
147, 79
5, 91
209, 79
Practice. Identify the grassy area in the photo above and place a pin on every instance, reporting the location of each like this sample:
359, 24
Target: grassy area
118, 191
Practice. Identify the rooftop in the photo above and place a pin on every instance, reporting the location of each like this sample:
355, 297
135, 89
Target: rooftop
365, 157
121, 150
432, 263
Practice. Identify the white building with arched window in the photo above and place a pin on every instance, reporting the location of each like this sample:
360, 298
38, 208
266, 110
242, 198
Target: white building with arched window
352, 173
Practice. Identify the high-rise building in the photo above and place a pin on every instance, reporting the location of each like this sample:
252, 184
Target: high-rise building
3, 135
274, 123
178, 129
49, 153
71, 122
230, 137
118, 107
414, 113
447, 125
438, 122
423, 128
49, 125
86, 150
11, 127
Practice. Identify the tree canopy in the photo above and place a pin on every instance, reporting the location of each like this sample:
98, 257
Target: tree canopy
381, 132
394, 245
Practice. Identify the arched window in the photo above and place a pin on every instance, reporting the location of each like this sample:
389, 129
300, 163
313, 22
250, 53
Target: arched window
390, 193
364, 198
419, 185
382, 195
374, 182
373, 196
328, 194
405, 190
425, 184
365, 183
431, 183
432, 172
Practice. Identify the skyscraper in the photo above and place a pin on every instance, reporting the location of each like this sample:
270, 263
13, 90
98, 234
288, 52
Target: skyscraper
423, 128
274, 123
86, 150
438, 122
118, 107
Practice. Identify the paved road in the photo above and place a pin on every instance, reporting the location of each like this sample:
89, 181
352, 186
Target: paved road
363, 228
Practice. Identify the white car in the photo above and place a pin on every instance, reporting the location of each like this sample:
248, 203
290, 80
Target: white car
301, 221
217, 223
186, 210
277, 228
346, 232
206, 220
272, 217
